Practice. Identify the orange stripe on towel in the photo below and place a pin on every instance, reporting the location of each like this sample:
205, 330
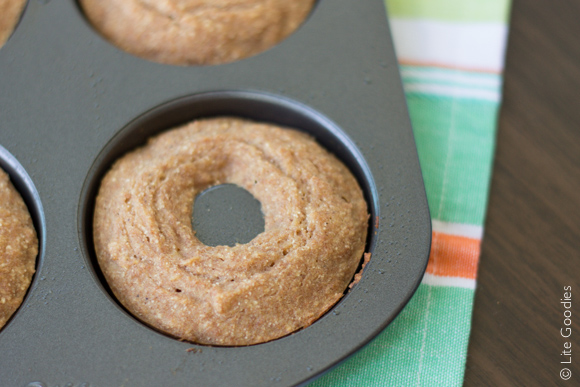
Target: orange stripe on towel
454, 256
415, 63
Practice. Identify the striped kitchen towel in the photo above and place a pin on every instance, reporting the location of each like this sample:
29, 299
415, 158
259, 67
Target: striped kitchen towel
451, 54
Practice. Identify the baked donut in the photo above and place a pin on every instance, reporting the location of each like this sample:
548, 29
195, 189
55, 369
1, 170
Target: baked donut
283, 280
18, 249
195, 32
10, 11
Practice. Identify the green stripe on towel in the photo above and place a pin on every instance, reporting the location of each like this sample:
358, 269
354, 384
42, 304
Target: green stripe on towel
429, 334
455, 140
451, 10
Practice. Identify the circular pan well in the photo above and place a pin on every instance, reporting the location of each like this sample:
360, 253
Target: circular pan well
25, 187
202, 34
255, 106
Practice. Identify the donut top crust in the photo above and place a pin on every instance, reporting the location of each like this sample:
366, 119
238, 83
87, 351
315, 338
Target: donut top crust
18, 249
283, 280
195, 32
10, 11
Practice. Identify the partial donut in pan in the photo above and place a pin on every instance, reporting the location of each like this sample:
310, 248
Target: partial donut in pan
18, 249
195, 32
10, 11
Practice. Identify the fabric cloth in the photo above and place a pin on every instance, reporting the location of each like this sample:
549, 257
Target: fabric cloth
451, 55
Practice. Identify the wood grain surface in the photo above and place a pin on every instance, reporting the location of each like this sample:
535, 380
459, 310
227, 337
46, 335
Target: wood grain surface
531, 245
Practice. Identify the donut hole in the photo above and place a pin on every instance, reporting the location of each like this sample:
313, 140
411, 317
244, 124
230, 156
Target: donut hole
219, 211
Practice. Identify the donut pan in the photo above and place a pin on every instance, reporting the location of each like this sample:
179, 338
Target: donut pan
71, 103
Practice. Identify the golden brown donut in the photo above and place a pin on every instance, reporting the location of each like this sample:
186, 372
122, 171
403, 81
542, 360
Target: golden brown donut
283, 280
195, 32
18, 249
10, 11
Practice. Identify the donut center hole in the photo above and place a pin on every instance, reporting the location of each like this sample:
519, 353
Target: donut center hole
226, 214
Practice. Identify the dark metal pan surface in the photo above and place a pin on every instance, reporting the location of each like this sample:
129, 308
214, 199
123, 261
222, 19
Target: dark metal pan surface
71, 103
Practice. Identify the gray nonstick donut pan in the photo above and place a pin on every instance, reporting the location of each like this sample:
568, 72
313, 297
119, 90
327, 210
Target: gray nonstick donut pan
71, 103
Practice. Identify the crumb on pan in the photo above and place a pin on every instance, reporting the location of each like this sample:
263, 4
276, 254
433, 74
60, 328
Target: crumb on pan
358, 275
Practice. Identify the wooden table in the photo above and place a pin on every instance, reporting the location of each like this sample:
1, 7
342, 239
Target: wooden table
531, 245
